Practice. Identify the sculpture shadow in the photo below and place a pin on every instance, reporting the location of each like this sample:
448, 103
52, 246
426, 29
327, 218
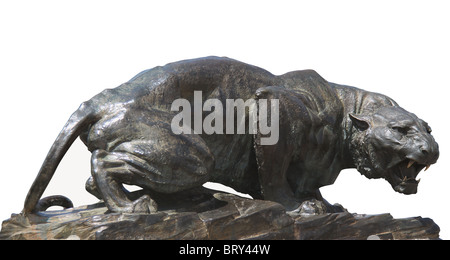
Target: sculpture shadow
194, 200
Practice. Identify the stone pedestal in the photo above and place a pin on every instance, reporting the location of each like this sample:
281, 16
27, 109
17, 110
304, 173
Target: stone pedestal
219, 216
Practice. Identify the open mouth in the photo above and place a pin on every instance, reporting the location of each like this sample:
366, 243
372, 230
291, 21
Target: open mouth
403, 176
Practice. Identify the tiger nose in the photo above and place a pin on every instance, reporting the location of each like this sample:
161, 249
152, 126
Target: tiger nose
430, 151
425, 149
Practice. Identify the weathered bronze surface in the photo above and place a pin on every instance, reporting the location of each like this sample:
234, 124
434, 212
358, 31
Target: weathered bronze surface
323, 128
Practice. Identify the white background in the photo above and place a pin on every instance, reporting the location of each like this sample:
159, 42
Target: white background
56, 54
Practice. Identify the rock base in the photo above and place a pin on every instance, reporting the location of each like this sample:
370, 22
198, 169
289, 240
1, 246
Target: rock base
219, 217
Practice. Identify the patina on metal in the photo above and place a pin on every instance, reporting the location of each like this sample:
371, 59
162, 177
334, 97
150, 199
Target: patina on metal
323, 129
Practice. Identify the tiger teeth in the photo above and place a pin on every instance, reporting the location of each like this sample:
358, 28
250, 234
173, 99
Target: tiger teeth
428, 166
411, 162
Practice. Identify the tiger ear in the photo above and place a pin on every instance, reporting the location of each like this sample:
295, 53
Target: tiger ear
360, 122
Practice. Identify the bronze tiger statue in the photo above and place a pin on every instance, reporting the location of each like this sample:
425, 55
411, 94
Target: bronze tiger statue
323, 129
